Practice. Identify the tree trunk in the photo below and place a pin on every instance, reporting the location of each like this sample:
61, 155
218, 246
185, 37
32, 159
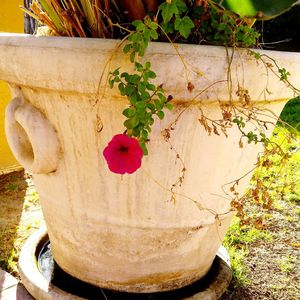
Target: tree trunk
152, 5
135, 9
29, 23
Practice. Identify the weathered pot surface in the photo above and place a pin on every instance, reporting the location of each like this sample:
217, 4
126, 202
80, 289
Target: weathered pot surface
45, 282
143, 232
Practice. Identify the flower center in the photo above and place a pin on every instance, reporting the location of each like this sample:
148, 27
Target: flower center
123, 149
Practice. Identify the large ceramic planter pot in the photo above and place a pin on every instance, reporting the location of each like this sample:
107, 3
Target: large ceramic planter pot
146, 231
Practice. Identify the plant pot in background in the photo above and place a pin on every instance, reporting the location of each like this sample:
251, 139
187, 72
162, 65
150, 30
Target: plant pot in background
130, 232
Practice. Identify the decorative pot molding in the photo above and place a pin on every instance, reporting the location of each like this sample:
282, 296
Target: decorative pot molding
31, 137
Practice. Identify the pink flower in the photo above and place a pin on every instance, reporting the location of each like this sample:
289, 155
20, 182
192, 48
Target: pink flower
123, 154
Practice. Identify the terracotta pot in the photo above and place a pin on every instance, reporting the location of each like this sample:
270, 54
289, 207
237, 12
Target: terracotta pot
130, 232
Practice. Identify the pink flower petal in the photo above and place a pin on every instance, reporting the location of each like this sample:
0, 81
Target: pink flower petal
123, 154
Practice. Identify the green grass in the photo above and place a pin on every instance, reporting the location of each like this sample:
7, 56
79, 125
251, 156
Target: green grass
236, 242
241, 236
283, 182
238, 266
286, 264
282, 177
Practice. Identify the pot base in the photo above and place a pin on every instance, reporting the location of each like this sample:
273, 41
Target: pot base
47, 281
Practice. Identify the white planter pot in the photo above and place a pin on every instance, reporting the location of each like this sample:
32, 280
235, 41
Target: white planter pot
129, 232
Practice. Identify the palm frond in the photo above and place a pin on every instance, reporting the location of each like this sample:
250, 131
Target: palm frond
89, 18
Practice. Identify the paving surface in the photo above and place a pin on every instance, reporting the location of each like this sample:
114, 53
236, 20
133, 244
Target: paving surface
11, 288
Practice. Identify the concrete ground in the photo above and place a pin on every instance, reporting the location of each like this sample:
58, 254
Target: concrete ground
11, 288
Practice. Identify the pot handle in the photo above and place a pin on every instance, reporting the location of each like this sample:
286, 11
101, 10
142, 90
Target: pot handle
31, 137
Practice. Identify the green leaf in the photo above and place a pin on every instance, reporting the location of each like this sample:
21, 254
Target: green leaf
255, 54
140, 105
136, 37
160, 114
151, 87
129, 89
116, 72
129, 112
151, 121
143, 48
134, 78
132, 56
134, 97
138, 66
127, 48
169, 106
167, 27
121, 88
139, 25
150, 74
131, 123
152, 25
147, 34
136, 47
142, 86
151, 106
136, 131
147, 65
158, 104
162, 97
153, 34
181, 6
262, 9
145, 96
144, 134
144, 147
184, 26
168, 10
284, 74
142, 118
124, 75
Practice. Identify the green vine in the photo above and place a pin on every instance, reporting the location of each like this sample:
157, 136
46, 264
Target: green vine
138, 41
224, 27
177, 19
146, 101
